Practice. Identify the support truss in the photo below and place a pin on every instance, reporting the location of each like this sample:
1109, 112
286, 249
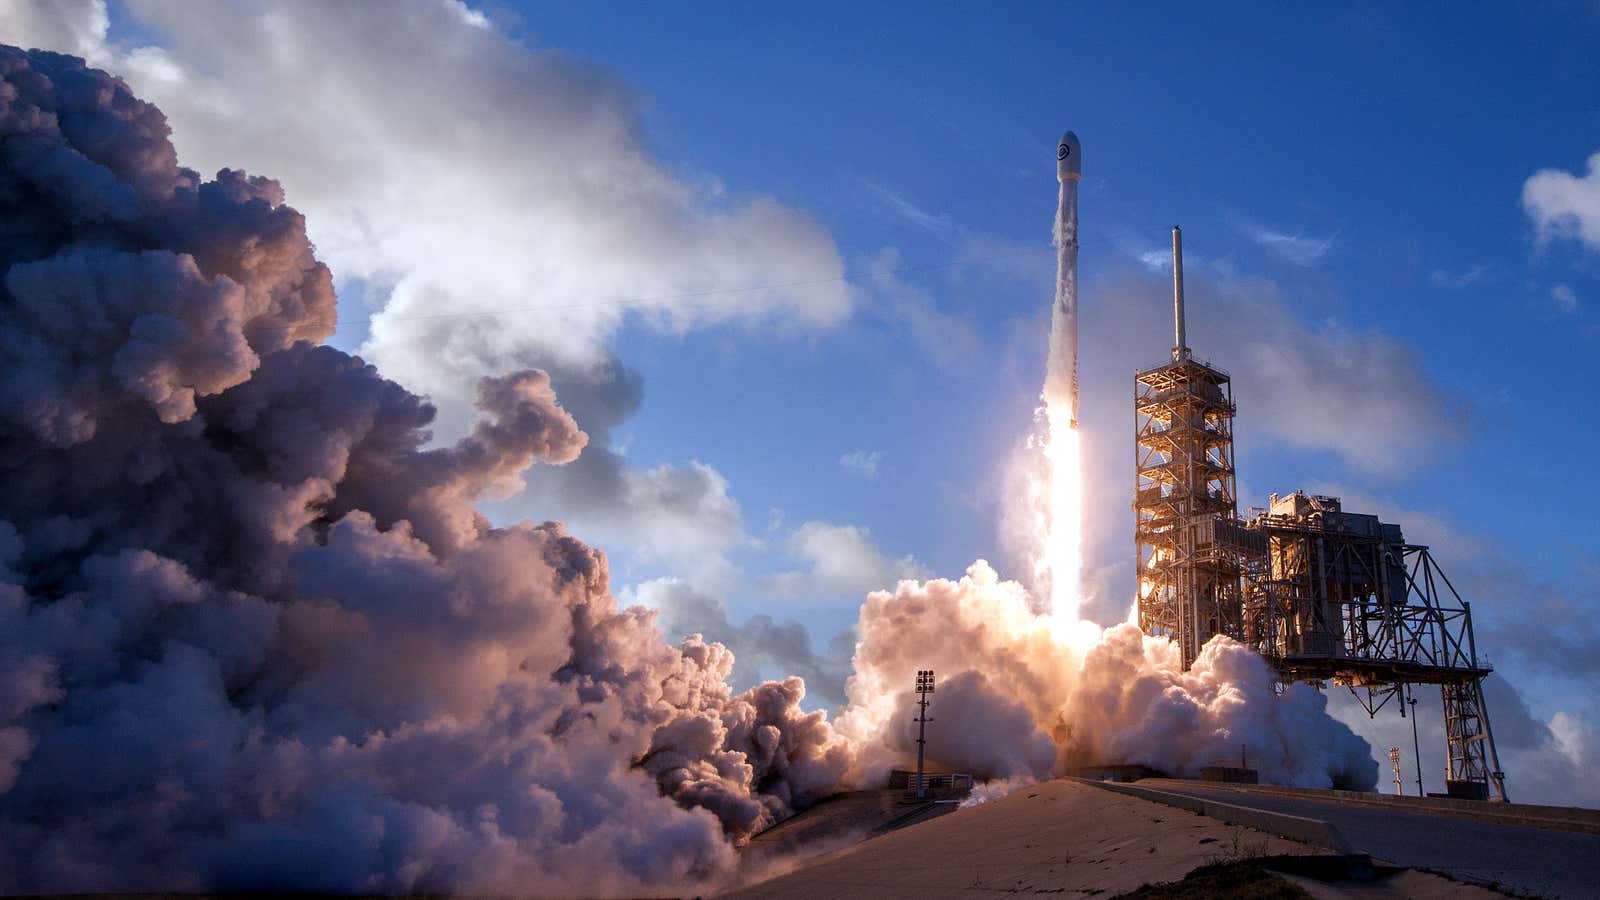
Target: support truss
1341, 597
1185, 507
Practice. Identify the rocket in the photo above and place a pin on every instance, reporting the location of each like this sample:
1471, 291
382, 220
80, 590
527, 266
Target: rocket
1061, 381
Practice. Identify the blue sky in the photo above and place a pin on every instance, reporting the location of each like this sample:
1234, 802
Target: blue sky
862, 198
1388, 146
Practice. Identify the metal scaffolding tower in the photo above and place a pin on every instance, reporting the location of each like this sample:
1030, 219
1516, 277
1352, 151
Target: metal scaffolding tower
1341, 597
1184, 503
1473, 758
1322, 594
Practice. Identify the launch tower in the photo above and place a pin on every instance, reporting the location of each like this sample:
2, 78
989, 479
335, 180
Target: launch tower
1184, 503
1341, 597
1322, 594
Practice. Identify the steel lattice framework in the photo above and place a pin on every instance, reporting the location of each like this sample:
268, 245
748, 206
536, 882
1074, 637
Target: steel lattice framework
1342, 597
1184, 504
1323, 595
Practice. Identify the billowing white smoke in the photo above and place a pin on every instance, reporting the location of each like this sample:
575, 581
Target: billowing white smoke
252, 634
1013, 701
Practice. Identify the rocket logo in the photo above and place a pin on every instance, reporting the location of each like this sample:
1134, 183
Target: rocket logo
1062, 151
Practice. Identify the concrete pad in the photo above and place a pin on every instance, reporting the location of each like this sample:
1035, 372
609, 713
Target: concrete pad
1060, 837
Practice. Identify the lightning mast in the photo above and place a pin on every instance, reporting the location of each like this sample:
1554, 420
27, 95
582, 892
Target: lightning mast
1324, 595
1187, 531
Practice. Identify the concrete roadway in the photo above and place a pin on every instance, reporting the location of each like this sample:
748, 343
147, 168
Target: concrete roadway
1540, 861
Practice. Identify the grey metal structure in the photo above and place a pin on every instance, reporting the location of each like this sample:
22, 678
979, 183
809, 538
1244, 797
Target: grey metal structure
1184, 502
1322, 594
1341, 597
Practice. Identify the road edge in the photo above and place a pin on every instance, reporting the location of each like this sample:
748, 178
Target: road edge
1296, 828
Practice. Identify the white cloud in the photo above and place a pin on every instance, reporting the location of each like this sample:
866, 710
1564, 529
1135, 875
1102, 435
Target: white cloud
682, 509
1361, 393
939, 225
1566, 300
862, 462
840, 560
1312, 384
947, 339
447, 172
1545, 761
992, 257
1155, 260
763, 647
1527, 628
1447, 279
1156, 257
1564, 205
469, 15
1296, 248
456, 174
1357, 394
77, 27
1576, 738
683, 517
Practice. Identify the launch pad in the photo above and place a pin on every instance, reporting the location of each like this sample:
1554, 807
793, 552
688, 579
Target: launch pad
1324, 595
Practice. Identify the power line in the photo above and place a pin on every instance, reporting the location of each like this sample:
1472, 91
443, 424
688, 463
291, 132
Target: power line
667, 298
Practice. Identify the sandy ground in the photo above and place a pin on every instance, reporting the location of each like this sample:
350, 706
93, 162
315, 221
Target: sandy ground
1061, 838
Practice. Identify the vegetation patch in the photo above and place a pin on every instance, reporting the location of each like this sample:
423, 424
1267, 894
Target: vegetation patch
1243, 880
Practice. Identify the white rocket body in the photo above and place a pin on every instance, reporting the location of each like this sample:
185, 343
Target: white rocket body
1061, 377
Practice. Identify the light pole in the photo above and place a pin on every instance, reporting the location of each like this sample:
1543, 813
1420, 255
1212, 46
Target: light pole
924, 688
1394, 760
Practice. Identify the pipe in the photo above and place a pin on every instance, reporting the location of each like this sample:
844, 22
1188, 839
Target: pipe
1416, 745
1180, 350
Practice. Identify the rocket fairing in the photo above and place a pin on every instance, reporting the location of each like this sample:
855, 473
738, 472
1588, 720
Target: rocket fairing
1061, 383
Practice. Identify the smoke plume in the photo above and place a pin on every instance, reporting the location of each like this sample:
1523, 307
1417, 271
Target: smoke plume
253, 634
1014, 701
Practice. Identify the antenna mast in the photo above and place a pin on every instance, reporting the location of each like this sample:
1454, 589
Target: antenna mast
1180, 349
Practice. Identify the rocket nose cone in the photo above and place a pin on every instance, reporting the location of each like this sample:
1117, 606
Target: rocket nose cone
1069, 158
